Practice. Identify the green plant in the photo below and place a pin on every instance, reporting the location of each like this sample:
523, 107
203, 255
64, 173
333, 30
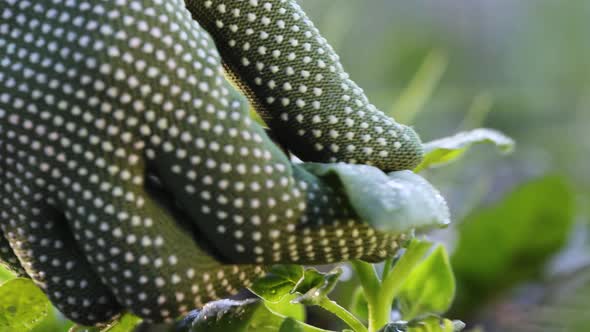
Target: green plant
419, 283
420, 286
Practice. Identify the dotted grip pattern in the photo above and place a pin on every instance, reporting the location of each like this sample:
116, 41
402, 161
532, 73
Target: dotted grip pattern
294, 78
131, 176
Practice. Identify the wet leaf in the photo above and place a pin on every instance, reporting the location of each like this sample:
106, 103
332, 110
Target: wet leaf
397, 202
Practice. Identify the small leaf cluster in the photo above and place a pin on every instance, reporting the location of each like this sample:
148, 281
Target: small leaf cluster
422, 287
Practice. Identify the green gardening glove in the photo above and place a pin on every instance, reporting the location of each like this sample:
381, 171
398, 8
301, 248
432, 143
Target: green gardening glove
295, 81
131, 176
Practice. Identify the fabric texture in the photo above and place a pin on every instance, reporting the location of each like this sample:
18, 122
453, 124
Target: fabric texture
131, 175
295, 80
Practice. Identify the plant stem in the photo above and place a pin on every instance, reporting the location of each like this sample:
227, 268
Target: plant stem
343, 314
387, 267
371, 286
397, 276
306, 327
380, 295
368, 277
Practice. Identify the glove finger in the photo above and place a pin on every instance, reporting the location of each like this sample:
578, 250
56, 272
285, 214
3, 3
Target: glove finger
284, 216
150, 260
7, 257
331, 230
230, 179
273, 212
145, 256
295, 80
42, 241
93, 149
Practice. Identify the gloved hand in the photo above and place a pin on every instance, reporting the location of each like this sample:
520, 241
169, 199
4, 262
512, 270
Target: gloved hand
131, 175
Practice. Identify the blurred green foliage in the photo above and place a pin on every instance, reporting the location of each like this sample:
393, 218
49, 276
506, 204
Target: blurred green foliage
522, 67
430, 288
510, 241
526, 62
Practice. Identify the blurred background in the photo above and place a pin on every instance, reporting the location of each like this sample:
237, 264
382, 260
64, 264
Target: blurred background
519, 243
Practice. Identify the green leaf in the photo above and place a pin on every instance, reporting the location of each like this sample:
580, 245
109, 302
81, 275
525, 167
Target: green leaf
54, 322
382, 299
433, 323
126, 323
239, 316
80, 328
311, 279
396, 202
278, 282
291, 325
449, 149
510, 241
315, 286
5, 274
227, 315
359, 305
265, 320
286, 308
23, 305
430, 288
301, 287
